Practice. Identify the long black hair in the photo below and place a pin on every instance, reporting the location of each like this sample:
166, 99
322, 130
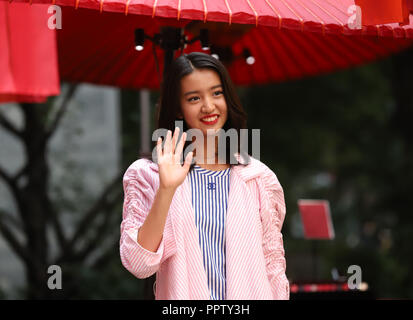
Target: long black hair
169, 104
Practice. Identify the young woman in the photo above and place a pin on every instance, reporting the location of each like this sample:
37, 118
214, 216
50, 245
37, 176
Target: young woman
209, 229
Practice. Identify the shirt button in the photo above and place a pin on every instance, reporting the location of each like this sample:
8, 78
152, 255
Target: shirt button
211, 185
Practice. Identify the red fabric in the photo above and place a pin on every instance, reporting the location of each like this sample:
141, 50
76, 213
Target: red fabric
105, 54
330, 16
381, 11
385, 11
407, 10
98, 47
28, 55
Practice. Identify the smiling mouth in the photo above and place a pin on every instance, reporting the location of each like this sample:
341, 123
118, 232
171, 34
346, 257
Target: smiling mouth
210, 120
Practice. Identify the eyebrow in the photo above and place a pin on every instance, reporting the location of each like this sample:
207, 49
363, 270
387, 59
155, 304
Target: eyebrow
191, 92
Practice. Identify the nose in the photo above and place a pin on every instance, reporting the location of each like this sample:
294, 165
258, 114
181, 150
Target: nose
208, 106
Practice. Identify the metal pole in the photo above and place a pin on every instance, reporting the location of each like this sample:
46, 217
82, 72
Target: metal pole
144, 97
314, 254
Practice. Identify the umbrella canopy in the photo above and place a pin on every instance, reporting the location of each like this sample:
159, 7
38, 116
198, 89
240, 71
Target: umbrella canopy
385, 11
28, 55
289, 39
330, 16
99, 48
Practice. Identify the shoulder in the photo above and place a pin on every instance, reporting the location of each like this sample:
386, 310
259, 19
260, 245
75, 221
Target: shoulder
269, 186
256, 169
141, 169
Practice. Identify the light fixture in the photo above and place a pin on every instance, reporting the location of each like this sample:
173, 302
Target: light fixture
139, 39
250, 60
203, 38
248, 57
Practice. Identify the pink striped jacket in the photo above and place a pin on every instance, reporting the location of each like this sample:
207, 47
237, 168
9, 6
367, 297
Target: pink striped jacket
255, 262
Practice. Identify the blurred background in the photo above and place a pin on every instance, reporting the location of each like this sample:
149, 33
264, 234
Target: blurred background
346, 137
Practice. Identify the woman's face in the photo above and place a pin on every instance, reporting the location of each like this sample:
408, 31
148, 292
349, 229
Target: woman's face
203, 102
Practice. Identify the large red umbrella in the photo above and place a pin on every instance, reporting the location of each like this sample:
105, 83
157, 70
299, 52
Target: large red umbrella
385, 11
99, 48
289, 39
28, 55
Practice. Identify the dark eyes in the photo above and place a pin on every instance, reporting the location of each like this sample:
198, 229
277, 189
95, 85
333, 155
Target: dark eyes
216, 93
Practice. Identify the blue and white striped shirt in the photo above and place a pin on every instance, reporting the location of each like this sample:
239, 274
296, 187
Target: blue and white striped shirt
210, 191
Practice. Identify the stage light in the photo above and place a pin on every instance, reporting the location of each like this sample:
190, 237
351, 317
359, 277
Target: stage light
248, 57
139, 39
203, 38
251, 60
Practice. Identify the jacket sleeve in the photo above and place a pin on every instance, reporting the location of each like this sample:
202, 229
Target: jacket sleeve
140, 184
272, 216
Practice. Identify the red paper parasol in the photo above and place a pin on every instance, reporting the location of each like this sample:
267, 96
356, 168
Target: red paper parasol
289, 39
28, 57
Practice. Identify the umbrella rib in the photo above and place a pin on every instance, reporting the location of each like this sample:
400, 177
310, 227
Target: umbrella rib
284, 70
314, 15
155, 3
299, 40
321, 62
229, 11
255, 12
298, 57
339, 9
295, 13
331, 15
205, 10
405, 32
359, 48
113, 67
269, 70
341, 47
327, 52
127, 7
276, 12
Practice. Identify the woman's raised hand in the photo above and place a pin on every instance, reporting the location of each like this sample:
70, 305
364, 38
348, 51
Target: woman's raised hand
171, 172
